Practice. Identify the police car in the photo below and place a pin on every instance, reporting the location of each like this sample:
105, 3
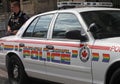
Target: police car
73, 46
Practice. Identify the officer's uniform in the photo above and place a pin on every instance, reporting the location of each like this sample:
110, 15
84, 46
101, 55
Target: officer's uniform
17, 20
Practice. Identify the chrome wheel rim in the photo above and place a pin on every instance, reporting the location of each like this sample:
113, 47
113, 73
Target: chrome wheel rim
15, 72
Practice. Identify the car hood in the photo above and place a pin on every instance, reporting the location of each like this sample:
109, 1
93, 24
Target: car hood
108, 42
115, 40
8, 38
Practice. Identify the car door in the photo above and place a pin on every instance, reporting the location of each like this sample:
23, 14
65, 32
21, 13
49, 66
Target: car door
69, 59
32, 42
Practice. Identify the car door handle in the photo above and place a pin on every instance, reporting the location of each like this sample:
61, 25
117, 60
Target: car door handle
50, 47
21, 44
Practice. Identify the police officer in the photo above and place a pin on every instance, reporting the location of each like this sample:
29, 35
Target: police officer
16, 19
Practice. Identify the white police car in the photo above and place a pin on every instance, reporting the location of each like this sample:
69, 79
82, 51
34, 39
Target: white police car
73, 46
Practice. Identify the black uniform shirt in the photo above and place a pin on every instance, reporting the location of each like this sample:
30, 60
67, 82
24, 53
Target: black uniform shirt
17, 20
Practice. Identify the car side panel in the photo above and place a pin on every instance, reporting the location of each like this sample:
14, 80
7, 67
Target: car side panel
66, 63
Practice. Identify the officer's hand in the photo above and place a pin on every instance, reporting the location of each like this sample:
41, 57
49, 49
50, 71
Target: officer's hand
15, 31
9, 29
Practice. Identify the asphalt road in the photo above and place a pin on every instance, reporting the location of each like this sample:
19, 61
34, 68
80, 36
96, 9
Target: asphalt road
4, 79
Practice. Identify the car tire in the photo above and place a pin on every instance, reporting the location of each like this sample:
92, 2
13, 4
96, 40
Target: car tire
115, 79
16, 73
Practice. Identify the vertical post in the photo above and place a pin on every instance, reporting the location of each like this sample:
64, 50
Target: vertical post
55, 4
21, 6
4, 2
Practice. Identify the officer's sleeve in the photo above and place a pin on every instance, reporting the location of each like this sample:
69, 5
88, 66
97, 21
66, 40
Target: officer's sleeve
9, 19
25, 17
9, 22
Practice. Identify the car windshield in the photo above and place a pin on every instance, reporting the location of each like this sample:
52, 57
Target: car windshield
107, 23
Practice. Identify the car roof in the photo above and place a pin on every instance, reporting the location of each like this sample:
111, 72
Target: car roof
82, 9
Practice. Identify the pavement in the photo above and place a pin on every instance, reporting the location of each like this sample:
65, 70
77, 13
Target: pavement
4, 79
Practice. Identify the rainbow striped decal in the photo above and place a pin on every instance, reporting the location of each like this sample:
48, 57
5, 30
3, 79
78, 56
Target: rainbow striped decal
95, 56
106, 58
8, 47
48, 56
65, 58
55, 57
41, 58
34, 54
16, 48
20, 49
1, 46
26, 53
45, 49
74, 53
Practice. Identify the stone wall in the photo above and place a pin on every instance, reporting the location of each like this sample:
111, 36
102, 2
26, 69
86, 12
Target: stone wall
28, 7
38, 6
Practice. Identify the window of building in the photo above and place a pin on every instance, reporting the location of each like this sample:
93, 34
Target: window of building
0, 4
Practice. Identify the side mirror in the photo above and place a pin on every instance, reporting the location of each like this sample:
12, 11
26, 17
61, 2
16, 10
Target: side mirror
92, 27
95, 28
75, 34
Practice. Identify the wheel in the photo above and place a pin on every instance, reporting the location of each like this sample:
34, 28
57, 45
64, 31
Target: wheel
16, 73
115, 79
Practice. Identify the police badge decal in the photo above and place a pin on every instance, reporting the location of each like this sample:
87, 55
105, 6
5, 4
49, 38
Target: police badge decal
84, 54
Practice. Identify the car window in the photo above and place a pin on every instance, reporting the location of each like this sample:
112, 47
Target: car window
29, 31
39, 27
42, 26
107, 23
65, 23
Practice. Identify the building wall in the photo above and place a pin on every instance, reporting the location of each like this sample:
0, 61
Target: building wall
70, 0
116, 3
38, 6
98, 0
77, 0
45, 5
28, 7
